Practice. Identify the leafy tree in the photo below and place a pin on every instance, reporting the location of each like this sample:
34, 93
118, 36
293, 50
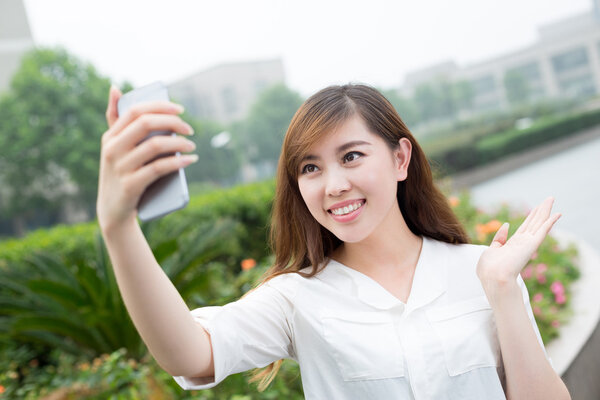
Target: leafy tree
267, 121
216, 164
442, 99
517, 87
52, 120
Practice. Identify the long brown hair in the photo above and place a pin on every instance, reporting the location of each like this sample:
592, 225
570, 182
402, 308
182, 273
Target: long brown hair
297, 239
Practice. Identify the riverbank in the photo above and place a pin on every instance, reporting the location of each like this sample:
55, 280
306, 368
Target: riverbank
484, 173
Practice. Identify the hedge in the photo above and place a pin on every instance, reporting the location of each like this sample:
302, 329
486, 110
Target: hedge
492, 147
250, 205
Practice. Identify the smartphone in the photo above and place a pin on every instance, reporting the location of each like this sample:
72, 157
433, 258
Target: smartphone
170, 192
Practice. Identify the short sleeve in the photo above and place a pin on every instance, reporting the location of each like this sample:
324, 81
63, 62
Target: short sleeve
525, 293
249, 333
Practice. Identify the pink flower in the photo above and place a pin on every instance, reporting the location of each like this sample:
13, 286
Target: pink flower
555, 323
557, 288
527, 272
541, 268
560, 298
541, 278
537, 310
538, 297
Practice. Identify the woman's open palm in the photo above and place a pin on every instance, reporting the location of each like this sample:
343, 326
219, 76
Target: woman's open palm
505, 259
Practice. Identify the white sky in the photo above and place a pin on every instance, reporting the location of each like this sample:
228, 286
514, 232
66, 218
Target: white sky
321, 42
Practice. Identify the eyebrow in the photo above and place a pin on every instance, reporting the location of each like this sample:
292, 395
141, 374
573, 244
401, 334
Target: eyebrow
341, 148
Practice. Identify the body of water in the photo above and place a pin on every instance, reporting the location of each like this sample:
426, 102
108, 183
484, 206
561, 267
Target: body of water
572, 177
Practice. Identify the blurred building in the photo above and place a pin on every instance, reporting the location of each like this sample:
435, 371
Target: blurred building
225, 92
563, 62
15, 38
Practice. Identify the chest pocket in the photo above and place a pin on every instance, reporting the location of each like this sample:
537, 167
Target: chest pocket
365, 345
467, 333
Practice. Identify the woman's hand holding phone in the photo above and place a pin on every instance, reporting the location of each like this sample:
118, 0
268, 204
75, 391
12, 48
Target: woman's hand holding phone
127, 166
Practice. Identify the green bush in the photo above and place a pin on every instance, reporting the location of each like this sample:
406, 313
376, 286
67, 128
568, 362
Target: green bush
472, 151
75, 242
73, 307
250, 205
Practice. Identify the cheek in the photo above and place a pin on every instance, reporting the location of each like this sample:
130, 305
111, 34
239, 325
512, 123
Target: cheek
381, 182
311, 193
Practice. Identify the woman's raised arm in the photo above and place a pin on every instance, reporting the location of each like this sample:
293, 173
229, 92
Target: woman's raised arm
529, 374
179, 344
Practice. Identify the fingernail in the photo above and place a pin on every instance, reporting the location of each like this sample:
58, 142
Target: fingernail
190, 129
178, 108
189, 158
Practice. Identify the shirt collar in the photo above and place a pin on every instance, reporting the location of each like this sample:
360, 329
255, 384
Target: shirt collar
429, 280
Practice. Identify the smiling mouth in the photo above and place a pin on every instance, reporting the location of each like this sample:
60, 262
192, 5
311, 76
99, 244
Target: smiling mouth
347, 209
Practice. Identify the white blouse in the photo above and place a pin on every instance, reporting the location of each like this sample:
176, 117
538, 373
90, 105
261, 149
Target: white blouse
354, 340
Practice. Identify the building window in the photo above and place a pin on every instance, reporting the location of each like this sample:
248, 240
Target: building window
530, 71
570, 60
578, 86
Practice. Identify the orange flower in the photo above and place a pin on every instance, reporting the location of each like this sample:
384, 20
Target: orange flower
2, 389
248, 264
454, 201
493, 226
485, 229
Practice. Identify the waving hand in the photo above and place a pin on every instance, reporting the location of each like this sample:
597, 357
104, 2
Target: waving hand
504, 259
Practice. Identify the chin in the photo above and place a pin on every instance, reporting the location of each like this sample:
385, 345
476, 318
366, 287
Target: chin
350, 237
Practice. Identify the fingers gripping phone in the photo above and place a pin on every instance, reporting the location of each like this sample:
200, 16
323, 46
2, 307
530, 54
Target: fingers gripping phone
170, 192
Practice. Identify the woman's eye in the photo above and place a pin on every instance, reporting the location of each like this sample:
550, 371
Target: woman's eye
353, 155
309, 168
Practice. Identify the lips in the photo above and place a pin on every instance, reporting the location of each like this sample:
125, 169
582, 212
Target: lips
346, 207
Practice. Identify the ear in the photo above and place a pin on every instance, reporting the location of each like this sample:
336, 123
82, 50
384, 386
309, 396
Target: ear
402, 158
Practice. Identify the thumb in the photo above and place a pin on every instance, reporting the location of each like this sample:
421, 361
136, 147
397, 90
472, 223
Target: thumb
112, 114
500, 236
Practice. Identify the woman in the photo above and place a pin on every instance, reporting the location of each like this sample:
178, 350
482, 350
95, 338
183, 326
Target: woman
374, 291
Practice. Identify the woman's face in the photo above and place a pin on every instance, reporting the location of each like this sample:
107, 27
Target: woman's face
349, 179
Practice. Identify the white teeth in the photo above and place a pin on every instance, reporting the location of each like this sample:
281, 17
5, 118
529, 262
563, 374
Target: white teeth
347, 209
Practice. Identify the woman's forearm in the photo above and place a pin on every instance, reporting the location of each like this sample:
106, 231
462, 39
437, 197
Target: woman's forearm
179, 344
529, 374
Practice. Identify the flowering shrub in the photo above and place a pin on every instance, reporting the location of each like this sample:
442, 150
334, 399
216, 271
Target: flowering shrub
548, 274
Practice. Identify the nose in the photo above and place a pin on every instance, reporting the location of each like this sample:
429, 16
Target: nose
337, 182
